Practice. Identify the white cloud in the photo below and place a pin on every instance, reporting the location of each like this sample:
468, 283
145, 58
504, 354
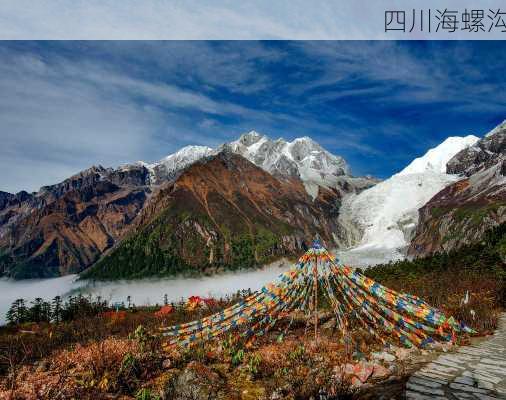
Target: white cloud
217, 19
60, 115
62, 126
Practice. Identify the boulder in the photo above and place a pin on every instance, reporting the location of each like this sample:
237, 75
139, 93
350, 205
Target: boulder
383, 356
361, 371
195, 382
380, 372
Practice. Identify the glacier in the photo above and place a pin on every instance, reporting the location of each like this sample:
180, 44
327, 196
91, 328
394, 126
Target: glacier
386, 215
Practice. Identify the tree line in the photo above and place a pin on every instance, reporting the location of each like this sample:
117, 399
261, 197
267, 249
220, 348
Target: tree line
56, 310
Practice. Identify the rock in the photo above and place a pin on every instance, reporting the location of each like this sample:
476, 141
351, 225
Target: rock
383, 356
195, 382
438, 346
361, 370
394, 369
447, 346
380, 372
402, 353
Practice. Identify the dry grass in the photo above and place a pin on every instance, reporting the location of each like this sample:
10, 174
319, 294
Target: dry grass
447, 291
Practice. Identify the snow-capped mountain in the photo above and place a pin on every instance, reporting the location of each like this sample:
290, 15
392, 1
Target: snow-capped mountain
167, 167
386, 214
499, 128
463, 211
303, 158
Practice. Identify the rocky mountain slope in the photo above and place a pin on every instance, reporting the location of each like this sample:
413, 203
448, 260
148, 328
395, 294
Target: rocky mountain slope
221, 212
385, 216
462, 211
66, 227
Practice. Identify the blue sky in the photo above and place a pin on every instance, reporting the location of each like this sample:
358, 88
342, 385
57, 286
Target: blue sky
68, 105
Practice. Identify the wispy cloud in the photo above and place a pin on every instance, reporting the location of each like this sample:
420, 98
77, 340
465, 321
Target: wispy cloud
217, 19
68, 105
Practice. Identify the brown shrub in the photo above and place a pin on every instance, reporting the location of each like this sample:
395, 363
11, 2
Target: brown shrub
108, 366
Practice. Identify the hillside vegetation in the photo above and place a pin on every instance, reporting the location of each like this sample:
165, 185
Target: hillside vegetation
465, 282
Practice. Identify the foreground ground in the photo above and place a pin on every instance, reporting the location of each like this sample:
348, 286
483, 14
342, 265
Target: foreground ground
91, 352
116, 355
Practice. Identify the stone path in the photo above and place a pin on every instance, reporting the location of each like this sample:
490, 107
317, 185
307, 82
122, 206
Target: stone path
472, 372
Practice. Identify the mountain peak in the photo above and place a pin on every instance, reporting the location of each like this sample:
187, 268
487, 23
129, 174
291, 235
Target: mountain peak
168, 167
305, 139
435, 159
189, 150
250, 138
484, 154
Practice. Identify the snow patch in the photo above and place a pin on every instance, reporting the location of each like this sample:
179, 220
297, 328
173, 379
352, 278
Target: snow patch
311, 188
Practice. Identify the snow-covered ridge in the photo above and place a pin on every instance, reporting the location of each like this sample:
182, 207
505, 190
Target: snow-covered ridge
436, 158
168, 166
302, 157
387, 213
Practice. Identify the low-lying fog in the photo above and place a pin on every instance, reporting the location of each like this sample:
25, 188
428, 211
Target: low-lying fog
142, 292
152, 291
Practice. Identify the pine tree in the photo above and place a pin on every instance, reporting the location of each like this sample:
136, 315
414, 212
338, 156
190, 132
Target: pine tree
46, 312
23, 312
36, 310
18, 313
12, 314
56, 313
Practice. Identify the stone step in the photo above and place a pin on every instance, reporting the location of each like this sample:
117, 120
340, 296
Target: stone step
425, 390
418, 396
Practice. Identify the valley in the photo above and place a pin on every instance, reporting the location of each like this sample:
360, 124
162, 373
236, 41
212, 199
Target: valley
247, 203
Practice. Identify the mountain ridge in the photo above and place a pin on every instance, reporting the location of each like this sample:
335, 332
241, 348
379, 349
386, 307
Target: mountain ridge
91, 217
68, 226
460, 213
221, 212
